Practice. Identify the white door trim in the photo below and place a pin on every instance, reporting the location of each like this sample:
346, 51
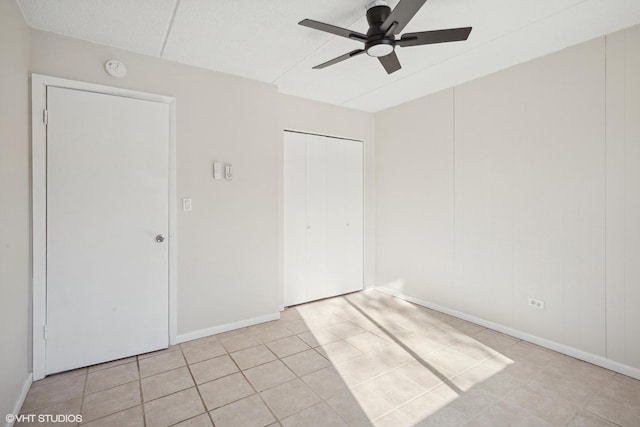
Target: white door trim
39, 85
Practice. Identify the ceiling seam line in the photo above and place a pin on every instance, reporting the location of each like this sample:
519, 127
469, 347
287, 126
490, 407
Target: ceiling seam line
344, 103
24, 15
165, 39
274, 81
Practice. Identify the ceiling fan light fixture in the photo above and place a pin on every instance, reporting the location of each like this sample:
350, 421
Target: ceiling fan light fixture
375, 3
378, 50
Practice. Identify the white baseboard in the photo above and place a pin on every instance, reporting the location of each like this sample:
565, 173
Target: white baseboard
23, 395
543, 342
226, 327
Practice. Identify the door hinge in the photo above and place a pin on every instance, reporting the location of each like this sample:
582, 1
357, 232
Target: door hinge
45, 117
45, 331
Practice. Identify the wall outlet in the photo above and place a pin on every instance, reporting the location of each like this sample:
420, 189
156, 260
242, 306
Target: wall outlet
536, 303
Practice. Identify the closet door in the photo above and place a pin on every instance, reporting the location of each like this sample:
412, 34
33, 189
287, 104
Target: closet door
336, 277
316, 199
323, 217
354, 217
295, 219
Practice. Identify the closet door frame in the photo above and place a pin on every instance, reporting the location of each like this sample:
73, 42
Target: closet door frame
363, 222
294, 220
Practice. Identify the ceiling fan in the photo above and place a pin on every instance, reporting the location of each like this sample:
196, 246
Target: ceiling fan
384, 25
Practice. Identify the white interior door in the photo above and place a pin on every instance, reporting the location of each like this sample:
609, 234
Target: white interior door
107, 200
295, 219
316, 197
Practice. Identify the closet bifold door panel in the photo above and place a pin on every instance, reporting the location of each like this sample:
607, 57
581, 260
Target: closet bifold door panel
354, 217
336, 276
316, 198
323, 217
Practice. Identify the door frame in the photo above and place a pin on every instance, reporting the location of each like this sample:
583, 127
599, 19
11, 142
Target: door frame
39, 84
281, 206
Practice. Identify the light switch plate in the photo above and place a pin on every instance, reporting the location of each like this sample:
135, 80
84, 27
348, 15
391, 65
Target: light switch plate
186, 204
217, 170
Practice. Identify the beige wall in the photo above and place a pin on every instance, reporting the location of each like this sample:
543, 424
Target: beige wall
228, 245
529, 197
314, 117
229, 258
522, 185
485, 194
14, 206
623, 196
414, 188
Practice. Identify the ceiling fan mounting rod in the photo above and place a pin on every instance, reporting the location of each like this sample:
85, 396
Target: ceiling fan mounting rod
376, 17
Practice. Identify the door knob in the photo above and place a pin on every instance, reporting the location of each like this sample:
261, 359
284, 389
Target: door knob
160, 238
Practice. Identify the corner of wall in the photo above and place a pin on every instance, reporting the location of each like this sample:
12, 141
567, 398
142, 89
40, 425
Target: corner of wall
15, 261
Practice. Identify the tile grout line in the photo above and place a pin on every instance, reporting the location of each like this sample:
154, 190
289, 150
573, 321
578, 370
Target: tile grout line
331, 365
195, 385
189, 419
144, 413
461, 373
526, 382
121, 362
84, 394
429, 389
152, 354
253, 388
579, 405
84, 388
108, 415
193, 378
297, 377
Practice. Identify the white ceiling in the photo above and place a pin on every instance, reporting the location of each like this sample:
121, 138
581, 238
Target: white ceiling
260, 39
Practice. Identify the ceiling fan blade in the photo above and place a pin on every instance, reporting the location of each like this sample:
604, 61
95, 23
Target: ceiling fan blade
390, 62
354, 35
340, 58
431, 37
401, 15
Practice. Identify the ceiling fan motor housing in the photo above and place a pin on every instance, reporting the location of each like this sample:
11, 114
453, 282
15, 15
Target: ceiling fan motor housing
378, 44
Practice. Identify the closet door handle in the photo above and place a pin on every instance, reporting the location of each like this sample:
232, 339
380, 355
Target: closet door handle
308, 227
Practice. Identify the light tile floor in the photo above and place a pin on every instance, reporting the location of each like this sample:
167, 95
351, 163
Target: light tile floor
361, 359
